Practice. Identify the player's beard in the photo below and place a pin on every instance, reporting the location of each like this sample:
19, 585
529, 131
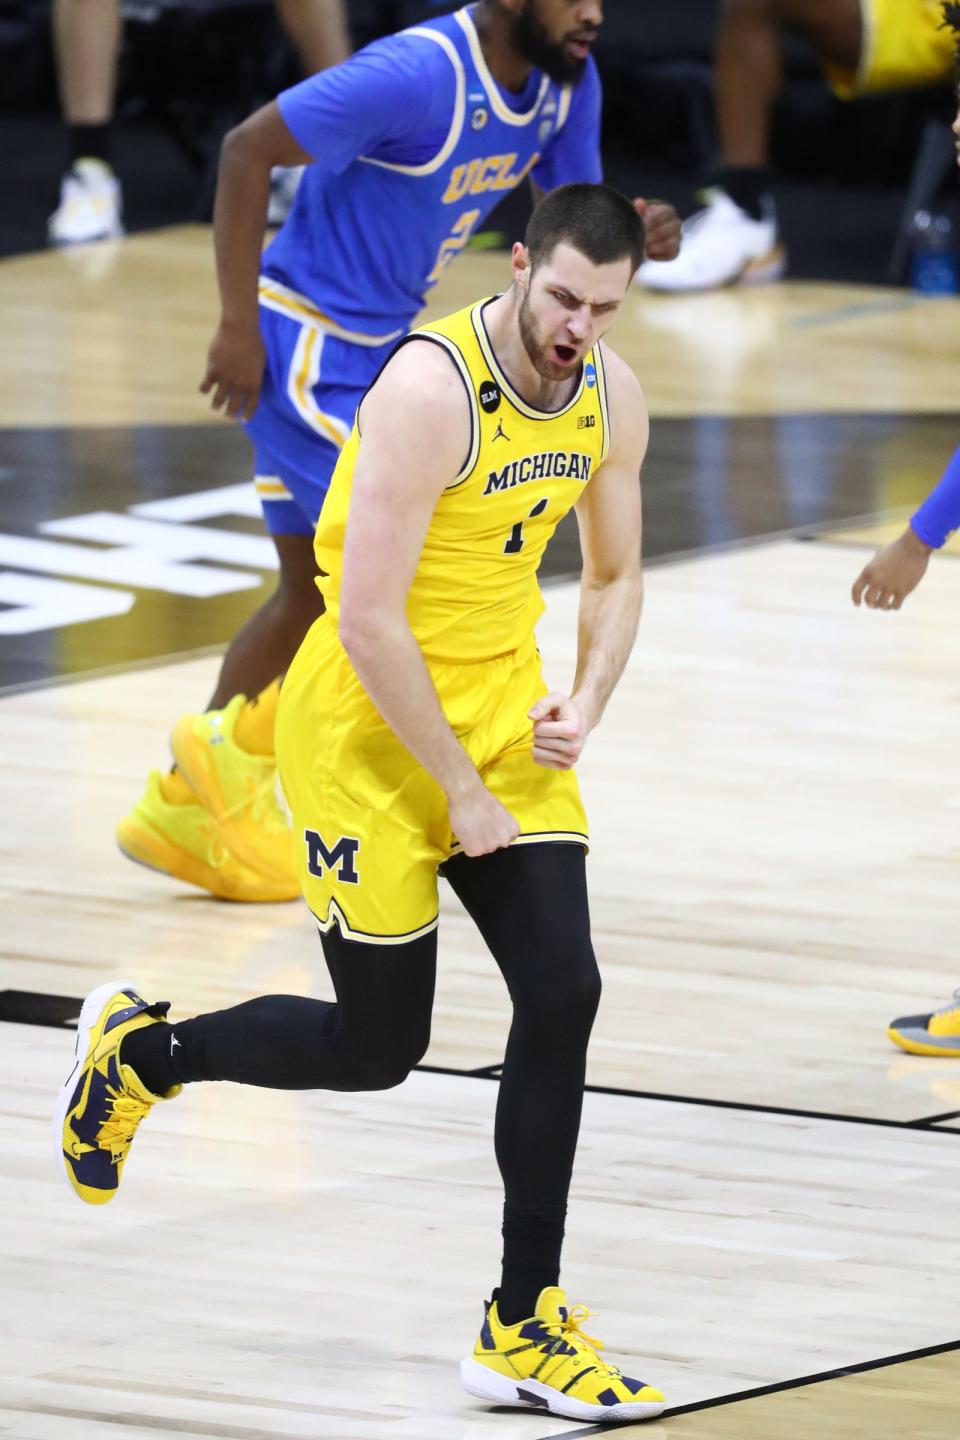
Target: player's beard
537, 351
535, 45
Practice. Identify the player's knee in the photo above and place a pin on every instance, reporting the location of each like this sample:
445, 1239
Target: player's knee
387, 1066
568, 1004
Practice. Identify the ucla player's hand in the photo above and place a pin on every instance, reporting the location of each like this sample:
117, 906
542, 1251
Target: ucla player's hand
235, 364
886, 580
560, 731
661, 225
480, 822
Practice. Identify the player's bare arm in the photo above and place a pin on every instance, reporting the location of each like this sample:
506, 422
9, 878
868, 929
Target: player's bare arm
611, 586
236, 357
415, 429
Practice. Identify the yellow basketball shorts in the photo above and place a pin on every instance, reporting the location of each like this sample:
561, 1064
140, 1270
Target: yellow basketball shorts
902, 47
370, 824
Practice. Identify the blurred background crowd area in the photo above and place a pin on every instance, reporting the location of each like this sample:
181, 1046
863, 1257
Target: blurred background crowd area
190, 69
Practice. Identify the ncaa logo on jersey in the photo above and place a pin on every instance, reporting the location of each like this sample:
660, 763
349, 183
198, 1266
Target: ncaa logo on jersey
489, 396
590, 373
479, 118
339, 858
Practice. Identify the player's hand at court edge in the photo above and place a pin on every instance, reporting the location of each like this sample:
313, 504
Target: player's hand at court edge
560, 731
893, 572
235, 364
661, 225
480, 822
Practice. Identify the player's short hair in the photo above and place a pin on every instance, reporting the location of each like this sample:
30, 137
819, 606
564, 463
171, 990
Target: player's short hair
595, 219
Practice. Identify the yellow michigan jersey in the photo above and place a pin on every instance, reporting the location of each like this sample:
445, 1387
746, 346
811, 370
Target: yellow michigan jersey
904, 44
475, 594
370, 824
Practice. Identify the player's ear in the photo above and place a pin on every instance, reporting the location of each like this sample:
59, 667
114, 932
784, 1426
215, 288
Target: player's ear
520, 263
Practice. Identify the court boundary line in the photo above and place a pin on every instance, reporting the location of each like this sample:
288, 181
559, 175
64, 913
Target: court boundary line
777, 1387
928, 1124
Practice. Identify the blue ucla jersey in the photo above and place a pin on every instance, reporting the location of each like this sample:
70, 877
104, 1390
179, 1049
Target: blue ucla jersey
415, 142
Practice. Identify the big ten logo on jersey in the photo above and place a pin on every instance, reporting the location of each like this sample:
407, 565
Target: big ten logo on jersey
340, 858
495, 172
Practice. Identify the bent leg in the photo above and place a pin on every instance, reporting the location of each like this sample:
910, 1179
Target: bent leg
370, 1038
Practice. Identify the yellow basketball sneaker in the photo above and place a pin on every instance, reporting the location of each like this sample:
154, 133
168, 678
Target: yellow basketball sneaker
548, 1363
937, 1034
102, 1102
183, 841
239, 790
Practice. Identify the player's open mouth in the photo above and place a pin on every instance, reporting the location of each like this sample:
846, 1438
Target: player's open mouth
564, 354
580, 46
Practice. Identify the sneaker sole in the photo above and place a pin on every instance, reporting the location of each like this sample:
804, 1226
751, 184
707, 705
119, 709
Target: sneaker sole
770, 267
64, 242
763, 271
144, 847
89, 1015
484, 1383
924, 1047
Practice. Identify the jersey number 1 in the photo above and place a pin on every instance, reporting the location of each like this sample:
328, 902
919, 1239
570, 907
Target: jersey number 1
515, 544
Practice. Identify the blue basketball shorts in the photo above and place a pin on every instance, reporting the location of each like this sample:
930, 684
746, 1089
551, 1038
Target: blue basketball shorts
315, 377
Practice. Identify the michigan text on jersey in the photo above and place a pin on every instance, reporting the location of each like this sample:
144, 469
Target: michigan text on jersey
539, 467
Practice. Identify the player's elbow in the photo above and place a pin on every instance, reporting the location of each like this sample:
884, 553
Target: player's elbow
243, 146
359, 627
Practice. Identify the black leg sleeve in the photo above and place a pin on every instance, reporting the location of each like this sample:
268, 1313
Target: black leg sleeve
369, 1039
530, 904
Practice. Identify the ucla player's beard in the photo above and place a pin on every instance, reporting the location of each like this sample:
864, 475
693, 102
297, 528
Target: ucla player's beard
535, 45
538, 352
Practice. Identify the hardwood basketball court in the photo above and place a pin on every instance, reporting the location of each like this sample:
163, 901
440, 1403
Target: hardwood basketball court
765, 1193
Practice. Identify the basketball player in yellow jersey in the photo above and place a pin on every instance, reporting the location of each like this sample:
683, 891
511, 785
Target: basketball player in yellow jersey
416, 733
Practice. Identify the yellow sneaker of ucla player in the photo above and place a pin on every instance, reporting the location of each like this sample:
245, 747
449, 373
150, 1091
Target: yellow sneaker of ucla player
183, 841
102, 1102
937, 1034
548, 1363
238, 788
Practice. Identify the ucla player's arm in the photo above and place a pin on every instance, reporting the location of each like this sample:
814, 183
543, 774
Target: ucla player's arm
611, 586
330, 119
235, 358
415, 429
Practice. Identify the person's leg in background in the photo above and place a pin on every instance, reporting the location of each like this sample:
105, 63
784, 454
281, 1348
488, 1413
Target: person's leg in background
317, 29
87, 43
215, 820
736, 238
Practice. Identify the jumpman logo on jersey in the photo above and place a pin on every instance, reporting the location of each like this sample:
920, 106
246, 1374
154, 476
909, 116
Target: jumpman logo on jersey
500, 433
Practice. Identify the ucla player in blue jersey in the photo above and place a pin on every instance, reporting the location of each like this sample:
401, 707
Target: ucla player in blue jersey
408, 146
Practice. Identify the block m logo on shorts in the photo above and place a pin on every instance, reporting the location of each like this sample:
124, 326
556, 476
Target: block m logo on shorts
339, 858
